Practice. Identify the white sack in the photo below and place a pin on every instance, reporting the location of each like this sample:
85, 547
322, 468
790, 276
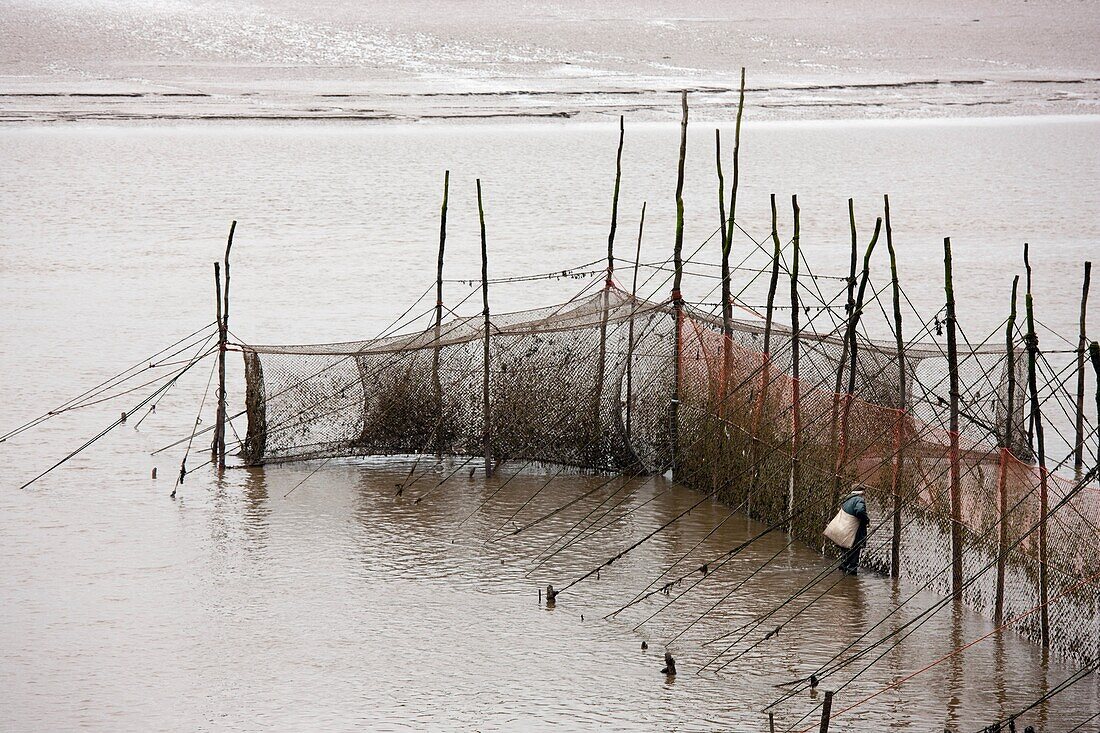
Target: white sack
842, 530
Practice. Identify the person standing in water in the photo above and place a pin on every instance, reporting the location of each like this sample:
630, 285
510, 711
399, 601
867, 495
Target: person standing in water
857, 507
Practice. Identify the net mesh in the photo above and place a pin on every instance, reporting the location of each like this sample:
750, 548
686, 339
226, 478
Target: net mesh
592, 384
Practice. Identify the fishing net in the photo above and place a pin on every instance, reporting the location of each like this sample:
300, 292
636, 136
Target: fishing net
610, 383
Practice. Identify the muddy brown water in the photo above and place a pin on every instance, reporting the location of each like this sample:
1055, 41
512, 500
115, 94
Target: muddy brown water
342, 606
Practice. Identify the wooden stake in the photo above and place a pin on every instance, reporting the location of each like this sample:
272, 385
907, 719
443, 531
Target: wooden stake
1006, 454
725, 234
1094, 356
436, 382
903, 401
954, 476
796, 398
842, 362
853, 324
487, 429
826, 712
223, 342
1082, 343
1040, 445
776, 255
215, 445
601, 364
727, 239
765, 370
615, 203
677, 298
630, 334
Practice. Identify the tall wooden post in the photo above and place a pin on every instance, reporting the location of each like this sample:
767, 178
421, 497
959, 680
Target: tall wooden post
853, 353
903, 401
629, 338
437, 384
954, 477
724, 235
615, 203
796, 386
765, 367
215, 445
1040, 446
1082, 344
727, 240
223, 343
605, 302
487, 425
1094, 357
630, 333
1006, 455
842, 362
677, 298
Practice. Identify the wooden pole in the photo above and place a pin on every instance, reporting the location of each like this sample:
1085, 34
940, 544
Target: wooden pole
630, 334
223, 343
727, 239
1006, 454
842, 362
903, 401
1094, 356
954, 476
772, 283
725, 233
1040, 445
765, 368
487, 425
1082, 344
605, 303
796, 397
826, 712
437, 384
615, 203
853, 354
215, 445
677, 298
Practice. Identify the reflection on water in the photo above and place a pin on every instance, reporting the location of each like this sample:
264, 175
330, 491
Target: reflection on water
344, 601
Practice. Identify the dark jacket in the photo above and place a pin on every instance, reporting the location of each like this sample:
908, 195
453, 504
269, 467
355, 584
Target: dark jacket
857, 507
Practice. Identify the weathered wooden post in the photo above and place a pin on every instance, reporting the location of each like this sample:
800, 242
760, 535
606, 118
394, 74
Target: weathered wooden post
677, 298
724, 236
630, 327
487, 425
437, 384
223, 342
826, 712
727, 241
215, 445
1006, 455
903, 401
953, 430
615, 203
765, 367
1040, 446
842, 362
796, 397
605, 303
1094, 356
1082, 344
853, 324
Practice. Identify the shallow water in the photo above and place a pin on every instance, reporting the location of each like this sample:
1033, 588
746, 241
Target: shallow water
341, 606
381, 61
